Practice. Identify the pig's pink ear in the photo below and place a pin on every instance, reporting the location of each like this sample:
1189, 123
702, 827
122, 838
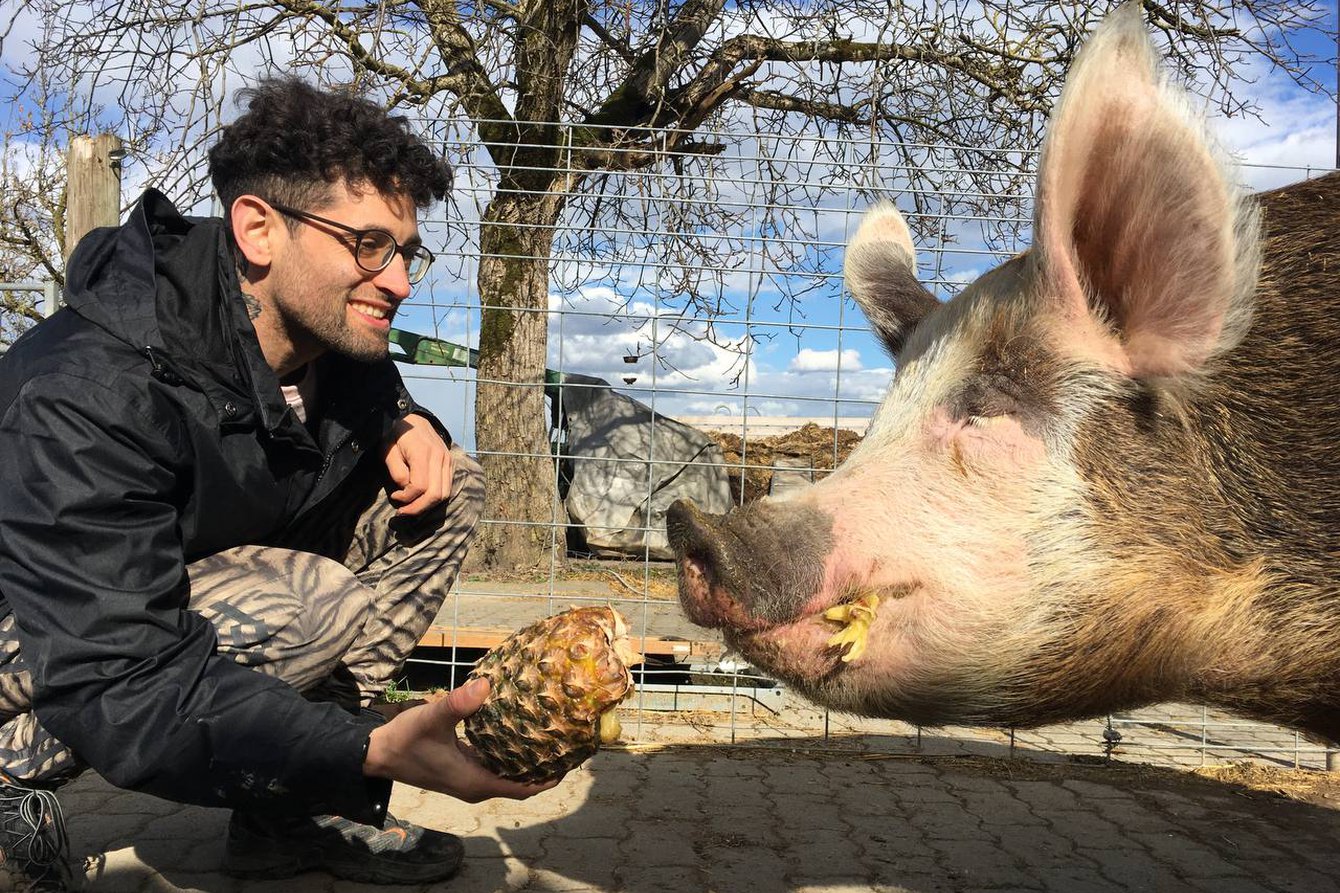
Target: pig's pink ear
881, 273
1137, 223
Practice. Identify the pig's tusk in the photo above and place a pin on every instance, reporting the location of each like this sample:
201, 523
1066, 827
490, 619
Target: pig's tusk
855, 618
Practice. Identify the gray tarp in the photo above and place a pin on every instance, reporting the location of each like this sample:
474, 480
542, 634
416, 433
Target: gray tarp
628, 464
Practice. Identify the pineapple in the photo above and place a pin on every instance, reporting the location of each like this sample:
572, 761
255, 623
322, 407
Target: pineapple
855, 619
553, 687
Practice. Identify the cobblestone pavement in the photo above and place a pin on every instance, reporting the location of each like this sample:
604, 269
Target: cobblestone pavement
955, 815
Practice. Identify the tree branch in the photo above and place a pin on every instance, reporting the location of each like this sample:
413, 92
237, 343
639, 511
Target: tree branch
620, 47
643, 90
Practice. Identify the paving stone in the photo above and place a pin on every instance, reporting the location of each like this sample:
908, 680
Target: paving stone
960, 783
822, 853
585, 861
907, 872
1036, 846
906, 771
744, 797
609, 822
1135, 870
543, 880
1175, 805
979, 863
488, 876
914, 797
166, 854
912, 883
199, 825
765, 821
1044, 795
656, 844
1133, 815
660, 878
121, 871
947, 821
1295, 877
1086, 828
1190, 858
889, 845
1087, 790
526, 842
1231, 885
810, 813
795, 779
742, 869
1000, 809
1073, 880
726, 766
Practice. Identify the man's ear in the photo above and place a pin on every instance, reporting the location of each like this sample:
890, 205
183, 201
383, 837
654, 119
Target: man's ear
255, 226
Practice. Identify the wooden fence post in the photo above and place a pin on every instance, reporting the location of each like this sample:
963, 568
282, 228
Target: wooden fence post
93, 199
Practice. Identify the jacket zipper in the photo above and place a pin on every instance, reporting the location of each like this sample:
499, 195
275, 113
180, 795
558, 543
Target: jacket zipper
339, 445
160, 369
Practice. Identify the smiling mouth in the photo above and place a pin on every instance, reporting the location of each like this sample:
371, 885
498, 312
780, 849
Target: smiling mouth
379, 314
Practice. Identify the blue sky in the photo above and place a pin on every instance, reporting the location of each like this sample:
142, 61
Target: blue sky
813, 357
819, 361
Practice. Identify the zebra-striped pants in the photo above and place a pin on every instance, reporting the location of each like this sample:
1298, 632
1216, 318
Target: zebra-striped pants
334, 608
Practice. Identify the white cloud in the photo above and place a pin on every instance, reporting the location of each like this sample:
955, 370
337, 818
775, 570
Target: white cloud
1294, 135
808, 360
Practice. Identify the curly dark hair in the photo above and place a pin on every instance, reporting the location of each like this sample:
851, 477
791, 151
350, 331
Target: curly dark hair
295, 141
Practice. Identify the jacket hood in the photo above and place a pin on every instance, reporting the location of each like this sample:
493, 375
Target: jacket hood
167, 286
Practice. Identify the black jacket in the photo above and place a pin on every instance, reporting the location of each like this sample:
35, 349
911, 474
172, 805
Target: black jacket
140, 429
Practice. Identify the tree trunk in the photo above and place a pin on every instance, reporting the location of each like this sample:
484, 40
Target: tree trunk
524, 523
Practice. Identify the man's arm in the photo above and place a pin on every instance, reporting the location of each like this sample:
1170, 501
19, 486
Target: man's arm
91, 562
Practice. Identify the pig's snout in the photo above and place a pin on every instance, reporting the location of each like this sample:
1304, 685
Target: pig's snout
705, 562
751, 568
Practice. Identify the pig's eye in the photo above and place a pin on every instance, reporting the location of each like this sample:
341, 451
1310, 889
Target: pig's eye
986, 399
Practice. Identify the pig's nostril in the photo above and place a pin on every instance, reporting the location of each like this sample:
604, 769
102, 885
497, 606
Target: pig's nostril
682, 526
693, 539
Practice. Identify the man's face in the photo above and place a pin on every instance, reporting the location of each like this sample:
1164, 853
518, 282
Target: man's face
325, 300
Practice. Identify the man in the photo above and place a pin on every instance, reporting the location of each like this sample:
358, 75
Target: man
224, 523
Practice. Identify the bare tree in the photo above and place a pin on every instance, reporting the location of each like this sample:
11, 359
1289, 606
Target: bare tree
24, 226
564, 95
32, 214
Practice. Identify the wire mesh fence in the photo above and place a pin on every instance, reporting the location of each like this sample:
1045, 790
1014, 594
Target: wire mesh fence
698, 301
42, 296
708, 291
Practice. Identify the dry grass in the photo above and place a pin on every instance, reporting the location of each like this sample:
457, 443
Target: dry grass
1307, 785
623, 576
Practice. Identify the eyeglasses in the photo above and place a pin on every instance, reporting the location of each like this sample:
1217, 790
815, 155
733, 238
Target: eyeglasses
373, 248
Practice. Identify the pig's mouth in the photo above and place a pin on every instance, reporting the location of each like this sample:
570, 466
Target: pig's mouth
766, 590
828, 635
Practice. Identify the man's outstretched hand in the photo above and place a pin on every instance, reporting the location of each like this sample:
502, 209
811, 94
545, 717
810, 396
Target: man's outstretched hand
420, 747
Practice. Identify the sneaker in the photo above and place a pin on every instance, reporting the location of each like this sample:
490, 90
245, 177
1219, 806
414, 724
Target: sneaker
34, 848
280, 846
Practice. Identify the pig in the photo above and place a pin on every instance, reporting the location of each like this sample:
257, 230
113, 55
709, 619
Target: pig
1105, 474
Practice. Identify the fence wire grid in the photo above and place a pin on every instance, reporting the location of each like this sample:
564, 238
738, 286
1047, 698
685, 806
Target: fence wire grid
708, 289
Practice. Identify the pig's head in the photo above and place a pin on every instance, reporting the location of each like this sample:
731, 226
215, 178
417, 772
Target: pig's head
1017, 537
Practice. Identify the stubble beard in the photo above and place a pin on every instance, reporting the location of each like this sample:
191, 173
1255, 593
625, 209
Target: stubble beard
322, 322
